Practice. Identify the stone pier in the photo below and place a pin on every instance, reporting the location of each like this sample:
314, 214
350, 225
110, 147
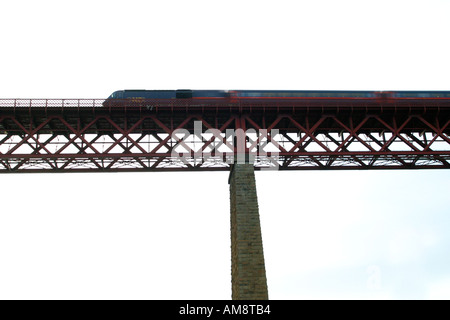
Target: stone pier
248, 271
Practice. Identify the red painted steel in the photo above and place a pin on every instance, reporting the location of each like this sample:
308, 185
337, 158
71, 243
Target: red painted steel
42, 135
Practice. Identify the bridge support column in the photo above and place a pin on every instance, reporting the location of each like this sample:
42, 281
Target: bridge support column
248, 272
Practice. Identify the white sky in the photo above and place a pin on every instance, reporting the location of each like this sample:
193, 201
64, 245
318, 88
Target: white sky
327, 235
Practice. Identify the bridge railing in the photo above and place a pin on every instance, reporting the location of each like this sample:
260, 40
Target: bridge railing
235, 103
50, 103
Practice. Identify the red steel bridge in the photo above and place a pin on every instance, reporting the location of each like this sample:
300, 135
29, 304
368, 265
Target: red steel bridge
55, 135
88, 135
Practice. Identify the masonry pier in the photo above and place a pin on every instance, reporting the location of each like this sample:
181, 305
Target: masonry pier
248, 270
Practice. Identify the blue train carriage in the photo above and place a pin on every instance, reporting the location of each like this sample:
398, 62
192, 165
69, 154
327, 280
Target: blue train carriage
295, 94
269, 94
421, 94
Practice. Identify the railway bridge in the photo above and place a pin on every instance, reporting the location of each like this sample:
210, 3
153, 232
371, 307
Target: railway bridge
230, 134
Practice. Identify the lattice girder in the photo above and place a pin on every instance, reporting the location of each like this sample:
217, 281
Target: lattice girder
303, 137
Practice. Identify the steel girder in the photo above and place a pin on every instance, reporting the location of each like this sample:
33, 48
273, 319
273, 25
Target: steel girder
284, 135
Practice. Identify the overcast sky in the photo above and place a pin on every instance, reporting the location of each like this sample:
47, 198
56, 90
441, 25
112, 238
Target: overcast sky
326, 235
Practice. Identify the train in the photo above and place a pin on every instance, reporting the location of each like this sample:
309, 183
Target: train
140, 95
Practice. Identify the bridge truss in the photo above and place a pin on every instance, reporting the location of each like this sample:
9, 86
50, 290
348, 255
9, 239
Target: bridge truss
286, 134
